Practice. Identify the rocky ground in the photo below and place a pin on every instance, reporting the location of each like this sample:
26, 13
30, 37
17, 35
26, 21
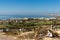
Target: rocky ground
24, 36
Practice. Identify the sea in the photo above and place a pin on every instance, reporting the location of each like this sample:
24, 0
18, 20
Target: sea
4, 17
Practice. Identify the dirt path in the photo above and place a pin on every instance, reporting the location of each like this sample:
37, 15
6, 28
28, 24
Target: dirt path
10, 37
47, 38
26, 33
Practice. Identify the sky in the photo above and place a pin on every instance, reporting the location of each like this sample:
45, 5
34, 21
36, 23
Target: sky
29, 7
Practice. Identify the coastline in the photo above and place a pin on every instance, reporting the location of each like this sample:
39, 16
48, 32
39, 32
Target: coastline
5, 17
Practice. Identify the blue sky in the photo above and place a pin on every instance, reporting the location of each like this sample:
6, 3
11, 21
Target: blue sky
29, 7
